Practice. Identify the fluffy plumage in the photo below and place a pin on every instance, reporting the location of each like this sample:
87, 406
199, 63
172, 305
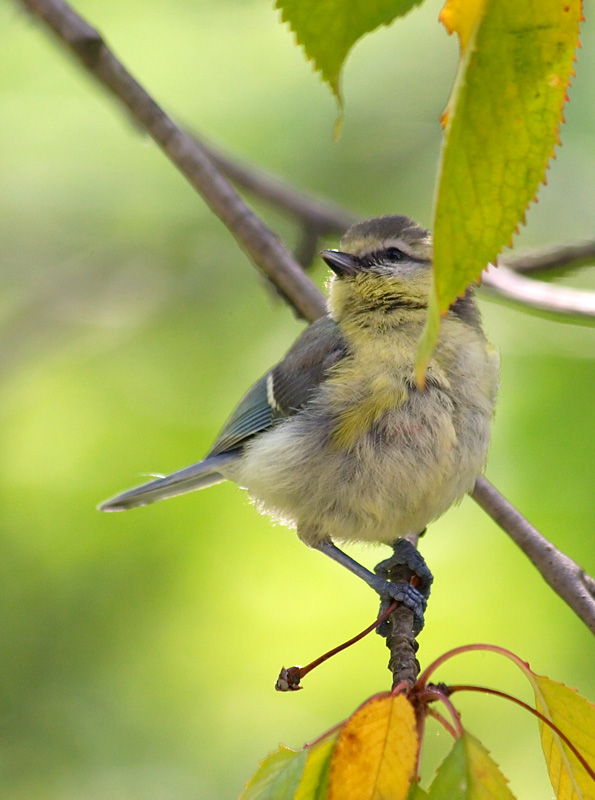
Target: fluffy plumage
336, 439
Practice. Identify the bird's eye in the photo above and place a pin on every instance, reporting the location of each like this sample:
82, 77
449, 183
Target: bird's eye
394, 254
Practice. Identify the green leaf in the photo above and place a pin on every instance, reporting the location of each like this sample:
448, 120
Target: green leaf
278, 776
469, 773
451, 778
501, 126
417, 793
328, 29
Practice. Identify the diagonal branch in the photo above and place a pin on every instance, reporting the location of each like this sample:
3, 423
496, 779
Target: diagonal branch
317, 216
563, 574
269, 254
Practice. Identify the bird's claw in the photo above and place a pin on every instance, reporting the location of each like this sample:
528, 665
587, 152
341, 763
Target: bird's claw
410, 597
413, 595
407, 555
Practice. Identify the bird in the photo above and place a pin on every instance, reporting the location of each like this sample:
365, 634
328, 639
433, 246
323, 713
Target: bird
337, 440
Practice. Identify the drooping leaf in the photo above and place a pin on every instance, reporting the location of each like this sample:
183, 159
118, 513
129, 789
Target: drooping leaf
328, 29
575, 717
501, 126
485, 781
469, 773
314, 782
277, 777
375, 755
451, 778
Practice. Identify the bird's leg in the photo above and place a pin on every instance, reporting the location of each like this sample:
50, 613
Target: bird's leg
403, 592
407, 571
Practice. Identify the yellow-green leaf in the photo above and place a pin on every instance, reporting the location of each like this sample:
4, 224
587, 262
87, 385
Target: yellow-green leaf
485, 781
314, 782
375, 755
428, 340
417, 793
469, 773
278, 776
501, 126
451, 778
328, 29
575, 717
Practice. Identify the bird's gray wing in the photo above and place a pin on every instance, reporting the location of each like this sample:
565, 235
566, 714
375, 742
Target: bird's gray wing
287, 388
279, 394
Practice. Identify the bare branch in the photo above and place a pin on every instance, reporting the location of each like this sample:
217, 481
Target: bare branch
267, 251
573, 305
563, 574
259, 242
565, 256
317, 216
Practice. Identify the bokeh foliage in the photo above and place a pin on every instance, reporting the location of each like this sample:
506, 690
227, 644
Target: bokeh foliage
139, 651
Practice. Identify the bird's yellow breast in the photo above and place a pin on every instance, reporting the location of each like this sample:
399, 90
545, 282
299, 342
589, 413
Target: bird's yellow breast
365, 386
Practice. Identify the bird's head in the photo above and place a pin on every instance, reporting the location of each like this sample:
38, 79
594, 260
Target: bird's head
383, 265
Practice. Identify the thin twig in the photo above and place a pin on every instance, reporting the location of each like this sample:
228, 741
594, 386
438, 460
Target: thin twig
290, 678
316, 215
565, 256
259, 242
319, 218
573, 305
565, 577
563, 574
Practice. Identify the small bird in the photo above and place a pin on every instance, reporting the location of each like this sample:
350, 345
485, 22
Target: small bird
337, 440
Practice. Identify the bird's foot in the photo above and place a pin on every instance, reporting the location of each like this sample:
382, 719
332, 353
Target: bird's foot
408, 580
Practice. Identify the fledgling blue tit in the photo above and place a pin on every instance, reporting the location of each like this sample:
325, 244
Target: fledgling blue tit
337, 440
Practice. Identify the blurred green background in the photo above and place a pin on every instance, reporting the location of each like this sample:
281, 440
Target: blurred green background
138, 651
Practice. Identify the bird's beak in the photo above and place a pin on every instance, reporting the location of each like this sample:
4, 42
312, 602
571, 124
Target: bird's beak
342, 264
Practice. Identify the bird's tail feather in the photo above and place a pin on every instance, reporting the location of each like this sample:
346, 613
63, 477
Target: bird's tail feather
198, 476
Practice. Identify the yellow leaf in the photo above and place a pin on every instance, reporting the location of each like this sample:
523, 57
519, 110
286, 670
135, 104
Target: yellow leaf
462, 17
375, 756
575, 717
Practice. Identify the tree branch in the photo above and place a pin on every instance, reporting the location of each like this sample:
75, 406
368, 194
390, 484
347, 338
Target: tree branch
259, 242
267, 251
565, 256
317, 216
563, 574
573, 305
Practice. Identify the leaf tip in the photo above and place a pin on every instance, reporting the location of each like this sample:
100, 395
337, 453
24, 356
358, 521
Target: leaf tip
338, 127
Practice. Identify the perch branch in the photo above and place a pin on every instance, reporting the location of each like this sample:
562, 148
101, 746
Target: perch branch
275, 261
